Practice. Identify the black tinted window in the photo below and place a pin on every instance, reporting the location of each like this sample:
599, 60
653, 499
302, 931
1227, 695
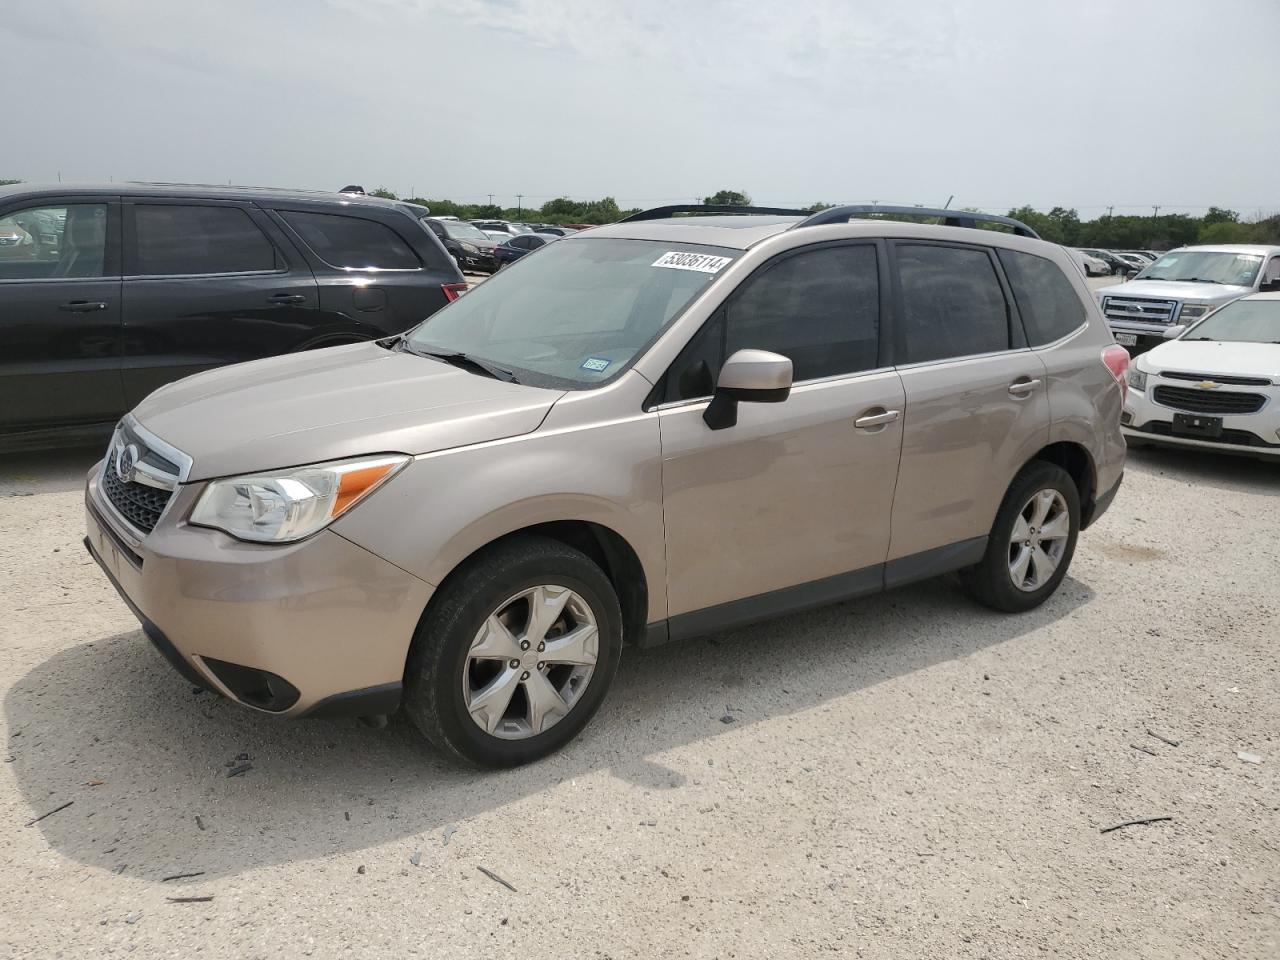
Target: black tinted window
175, 239
952, 304
1046, 299
821, 309
352, 241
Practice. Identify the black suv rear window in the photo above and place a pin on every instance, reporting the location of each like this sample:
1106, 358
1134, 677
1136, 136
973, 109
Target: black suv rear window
174, 239
352, 242
1046, 299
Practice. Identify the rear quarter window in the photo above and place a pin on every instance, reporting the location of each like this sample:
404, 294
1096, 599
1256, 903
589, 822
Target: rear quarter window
352, 243
1046, 299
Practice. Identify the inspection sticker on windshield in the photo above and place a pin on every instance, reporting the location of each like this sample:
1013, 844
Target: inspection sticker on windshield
702, 262
598, 364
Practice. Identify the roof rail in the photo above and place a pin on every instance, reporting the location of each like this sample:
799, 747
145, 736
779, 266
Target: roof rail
664, 213
950, 218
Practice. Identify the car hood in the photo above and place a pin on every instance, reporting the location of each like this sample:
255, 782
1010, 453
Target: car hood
327, 404
1215, 358
1175, 290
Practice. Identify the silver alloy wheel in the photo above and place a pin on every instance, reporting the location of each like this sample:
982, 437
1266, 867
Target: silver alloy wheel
530, 662
1039, 539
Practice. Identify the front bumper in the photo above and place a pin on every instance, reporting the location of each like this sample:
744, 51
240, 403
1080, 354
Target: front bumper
481, 262
1252, 434
1146, 335
319, 627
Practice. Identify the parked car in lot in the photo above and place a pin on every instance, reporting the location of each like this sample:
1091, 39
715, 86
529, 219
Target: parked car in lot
466, 243
500, 230
1215, 384
1091, 265
15, 242
1115, 266
1184, 285
142, 284
517, 247
652, 430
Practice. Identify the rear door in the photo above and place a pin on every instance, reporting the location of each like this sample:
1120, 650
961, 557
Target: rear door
977, 406
60, 313
207, 283
379, 268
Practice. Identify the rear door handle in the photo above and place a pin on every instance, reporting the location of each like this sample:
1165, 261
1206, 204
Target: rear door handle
82, 306
869, 420
286, 298
1020, 388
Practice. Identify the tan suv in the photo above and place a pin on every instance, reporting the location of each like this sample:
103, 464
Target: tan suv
645, 432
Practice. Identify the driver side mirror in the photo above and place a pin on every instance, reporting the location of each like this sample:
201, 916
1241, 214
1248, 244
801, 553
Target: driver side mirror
749, 376
1174, 332
1270, 286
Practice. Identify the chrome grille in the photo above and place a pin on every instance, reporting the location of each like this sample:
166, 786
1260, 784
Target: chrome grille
140, 475
1209, 401
1139, 310
1217, 378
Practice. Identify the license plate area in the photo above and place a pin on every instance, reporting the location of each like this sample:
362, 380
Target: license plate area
1194, 425
1127, 339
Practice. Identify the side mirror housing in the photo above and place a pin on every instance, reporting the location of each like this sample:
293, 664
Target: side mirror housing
749, 376
1174, 332
1270, 286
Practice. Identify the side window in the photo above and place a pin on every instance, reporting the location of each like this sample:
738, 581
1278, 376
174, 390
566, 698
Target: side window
533, 243
175, 239
352, 242
820, 308
62, 241
952, 303
1272, 273
1046, 299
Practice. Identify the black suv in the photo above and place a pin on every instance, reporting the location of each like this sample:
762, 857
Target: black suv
117, 289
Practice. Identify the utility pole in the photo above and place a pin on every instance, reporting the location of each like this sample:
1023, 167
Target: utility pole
491, 199
519, 204
1109, 209
1155, 211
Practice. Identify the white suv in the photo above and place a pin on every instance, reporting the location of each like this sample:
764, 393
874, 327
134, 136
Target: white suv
1184, 285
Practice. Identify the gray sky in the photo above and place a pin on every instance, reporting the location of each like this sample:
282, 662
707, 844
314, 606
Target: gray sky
1002, 102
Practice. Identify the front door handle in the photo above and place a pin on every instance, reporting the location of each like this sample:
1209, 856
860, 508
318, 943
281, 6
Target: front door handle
869, 420
82, 306
1020, 388
286, 298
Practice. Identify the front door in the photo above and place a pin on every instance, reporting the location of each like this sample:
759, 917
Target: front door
796, 496
206, 286
60, 314
977, 403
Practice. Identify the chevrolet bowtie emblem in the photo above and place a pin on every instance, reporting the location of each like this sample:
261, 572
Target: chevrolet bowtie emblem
1208, 385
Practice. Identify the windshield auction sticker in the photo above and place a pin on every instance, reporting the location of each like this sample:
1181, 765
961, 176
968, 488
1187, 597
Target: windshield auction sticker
701, 262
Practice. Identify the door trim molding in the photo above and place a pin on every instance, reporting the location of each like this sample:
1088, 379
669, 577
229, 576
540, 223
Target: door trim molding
816, 593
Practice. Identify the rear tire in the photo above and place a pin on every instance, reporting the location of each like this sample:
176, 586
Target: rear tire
451, 674
1028, 552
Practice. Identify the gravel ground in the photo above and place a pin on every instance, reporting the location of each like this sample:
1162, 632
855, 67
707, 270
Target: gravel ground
905, 776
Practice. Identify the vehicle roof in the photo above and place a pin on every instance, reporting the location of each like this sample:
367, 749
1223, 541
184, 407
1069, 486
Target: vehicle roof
199, 191
1255, 248
743, 231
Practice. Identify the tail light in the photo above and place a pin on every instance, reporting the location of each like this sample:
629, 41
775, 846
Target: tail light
1116, 358
452, 291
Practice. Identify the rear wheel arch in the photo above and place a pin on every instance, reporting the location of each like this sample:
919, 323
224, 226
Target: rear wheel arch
1077, 461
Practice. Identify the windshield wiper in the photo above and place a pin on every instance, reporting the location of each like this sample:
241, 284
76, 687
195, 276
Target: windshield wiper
457, 359
1195, 280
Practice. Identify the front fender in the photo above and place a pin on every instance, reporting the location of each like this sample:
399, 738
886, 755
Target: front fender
445, 506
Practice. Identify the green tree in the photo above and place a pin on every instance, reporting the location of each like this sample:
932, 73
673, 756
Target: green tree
729, 198
820, 206
384, 193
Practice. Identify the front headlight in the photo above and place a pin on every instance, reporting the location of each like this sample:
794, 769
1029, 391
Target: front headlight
1193, 311
287, 505
469, 247
1137, 378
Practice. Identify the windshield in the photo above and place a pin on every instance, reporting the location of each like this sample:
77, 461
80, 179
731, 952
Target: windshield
1241, 321
1235, 269
462, 231
578, 313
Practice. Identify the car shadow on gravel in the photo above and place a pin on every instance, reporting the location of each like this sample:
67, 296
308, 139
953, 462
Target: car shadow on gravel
110, 726
1212, 471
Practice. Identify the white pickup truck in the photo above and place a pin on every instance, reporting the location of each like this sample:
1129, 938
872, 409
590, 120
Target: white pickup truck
1182, 286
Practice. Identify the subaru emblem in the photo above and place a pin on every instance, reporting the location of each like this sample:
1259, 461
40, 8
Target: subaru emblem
126, 461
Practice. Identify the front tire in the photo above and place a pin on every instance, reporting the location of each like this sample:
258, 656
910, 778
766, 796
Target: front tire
515, 654
1032, 541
